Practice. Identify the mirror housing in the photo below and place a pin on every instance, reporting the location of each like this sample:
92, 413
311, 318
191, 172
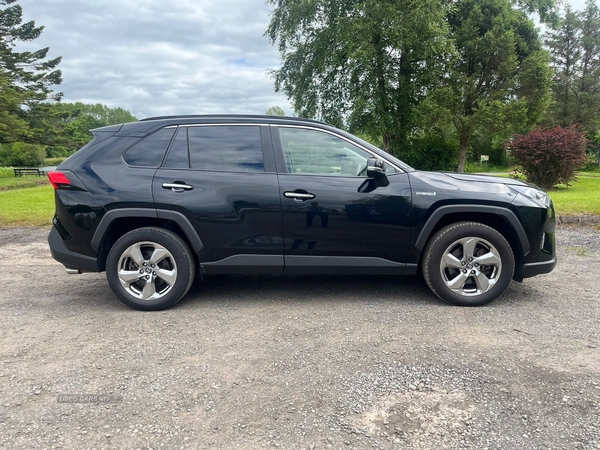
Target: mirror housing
376, 171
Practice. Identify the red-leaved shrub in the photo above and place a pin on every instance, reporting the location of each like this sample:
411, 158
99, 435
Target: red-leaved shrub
549, 156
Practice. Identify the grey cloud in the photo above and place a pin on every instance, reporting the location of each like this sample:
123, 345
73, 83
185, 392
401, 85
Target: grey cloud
155, 57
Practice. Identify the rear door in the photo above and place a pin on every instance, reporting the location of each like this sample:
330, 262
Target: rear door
222, 179
335, 220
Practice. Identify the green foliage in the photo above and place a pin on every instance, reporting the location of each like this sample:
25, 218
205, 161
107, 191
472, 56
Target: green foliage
6, 171
29, 71
12, 124
546, 9
593, 157
574, 43
66, 126
416, 76
591, 163
432, 152
94, 116
480, 167
26, 78
22, 154
361, 63
54, 161
60, 128
27, 120
275, 111
499, 79
492, 145
59, 151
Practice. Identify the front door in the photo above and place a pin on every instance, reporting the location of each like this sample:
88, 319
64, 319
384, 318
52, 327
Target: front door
335, 220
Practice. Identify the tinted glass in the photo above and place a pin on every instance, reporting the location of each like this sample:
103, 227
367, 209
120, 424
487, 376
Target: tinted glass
318, 153
150, 151
178, 155
235, 148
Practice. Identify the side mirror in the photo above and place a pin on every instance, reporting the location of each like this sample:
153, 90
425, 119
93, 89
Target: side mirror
376, 171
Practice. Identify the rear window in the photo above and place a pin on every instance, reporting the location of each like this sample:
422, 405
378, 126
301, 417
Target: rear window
151, 150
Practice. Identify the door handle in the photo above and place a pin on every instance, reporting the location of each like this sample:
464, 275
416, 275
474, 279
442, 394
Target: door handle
177, 186
299, 196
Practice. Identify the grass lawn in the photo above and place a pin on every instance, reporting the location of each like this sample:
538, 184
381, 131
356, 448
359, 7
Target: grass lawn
31, 207
22, 182
582, 197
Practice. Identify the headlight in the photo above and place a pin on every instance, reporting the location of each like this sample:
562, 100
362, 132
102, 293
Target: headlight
536, 194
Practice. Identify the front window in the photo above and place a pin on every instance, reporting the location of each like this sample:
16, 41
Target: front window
313, 152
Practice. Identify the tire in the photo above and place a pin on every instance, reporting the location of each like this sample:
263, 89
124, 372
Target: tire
150, 269
453, 264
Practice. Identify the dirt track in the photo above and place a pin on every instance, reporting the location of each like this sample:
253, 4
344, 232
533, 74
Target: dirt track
301, 362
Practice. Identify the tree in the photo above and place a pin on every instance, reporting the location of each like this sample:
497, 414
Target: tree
101, 114
546, 9
499, 79
364, 64
66, 126
563, 44
574, 44
30, 71
550, 156
275, 111
588, 86
22, 154
12, 126
25, 77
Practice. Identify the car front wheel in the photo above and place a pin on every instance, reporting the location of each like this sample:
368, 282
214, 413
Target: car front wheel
468, 264
150, 269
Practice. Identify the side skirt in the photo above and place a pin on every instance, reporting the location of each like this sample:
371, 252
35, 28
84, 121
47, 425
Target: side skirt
341, 265
306, 265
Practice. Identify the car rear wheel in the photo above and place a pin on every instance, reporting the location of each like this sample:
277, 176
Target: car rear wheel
468, 264
150, 269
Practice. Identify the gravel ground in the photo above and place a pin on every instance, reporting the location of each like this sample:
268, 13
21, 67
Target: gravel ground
299, 362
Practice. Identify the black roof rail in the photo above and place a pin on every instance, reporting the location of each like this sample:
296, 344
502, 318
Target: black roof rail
237, 116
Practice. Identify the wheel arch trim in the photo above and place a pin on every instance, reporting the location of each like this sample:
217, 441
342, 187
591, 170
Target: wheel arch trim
439, 213
177, 217
185, 225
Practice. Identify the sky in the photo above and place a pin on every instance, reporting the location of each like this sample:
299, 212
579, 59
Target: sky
163, 57
160, 57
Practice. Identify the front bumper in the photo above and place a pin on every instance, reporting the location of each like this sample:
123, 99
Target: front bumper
69, 259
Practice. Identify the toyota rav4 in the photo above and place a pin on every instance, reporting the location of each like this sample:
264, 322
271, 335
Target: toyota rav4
157, 202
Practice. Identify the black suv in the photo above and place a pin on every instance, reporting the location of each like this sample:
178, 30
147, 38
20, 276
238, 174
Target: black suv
155, 203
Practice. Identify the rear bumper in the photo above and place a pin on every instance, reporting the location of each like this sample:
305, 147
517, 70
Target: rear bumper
537, 268
69, 259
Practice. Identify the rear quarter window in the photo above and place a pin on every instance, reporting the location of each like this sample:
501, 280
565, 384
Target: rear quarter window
150, 151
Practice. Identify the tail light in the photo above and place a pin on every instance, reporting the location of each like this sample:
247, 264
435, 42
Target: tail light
59, 180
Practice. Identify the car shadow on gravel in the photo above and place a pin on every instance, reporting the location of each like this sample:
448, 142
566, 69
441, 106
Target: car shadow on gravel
339, 289
310, 288
244, 289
